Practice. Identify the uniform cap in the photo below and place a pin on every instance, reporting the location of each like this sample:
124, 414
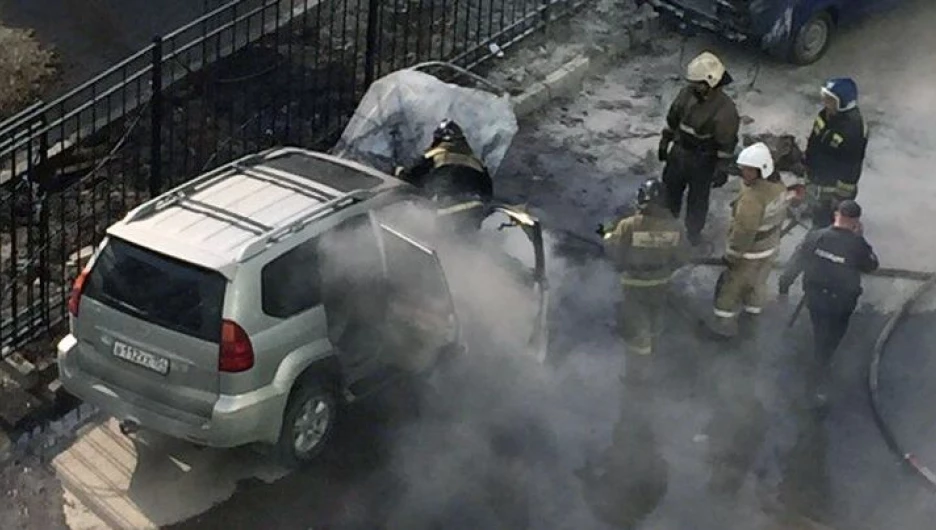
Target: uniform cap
850, 209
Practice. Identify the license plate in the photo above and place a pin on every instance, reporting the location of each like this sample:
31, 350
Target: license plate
141, 358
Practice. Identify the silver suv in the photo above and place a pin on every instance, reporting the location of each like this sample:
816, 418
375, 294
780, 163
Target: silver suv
248, 304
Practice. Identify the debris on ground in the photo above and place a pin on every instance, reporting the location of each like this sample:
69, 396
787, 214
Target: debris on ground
30, 497
787, 154
26, 69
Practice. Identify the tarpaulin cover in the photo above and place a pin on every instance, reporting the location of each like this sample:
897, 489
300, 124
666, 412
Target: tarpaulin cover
393, 124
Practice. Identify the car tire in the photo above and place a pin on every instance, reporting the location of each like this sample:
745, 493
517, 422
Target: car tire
308, 423
812, 39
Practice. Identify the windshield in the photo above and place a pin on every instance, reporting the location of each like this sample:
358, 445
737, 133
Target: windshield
158, 289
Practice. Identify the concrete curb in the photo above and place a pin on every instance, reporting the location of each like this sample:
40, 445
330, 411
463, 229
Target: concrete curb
568, 79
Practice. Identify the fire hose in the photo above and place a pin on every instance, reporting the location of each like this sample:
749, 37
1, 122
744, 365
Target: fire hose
890, 437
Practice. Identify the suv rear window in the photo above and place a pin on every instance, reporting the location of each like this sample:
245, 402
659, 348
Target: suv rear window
156, 288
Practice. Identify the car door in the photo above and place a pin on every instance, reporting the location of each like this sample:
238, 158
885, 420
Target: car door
498, 279
515, 239
496, 276
420, 320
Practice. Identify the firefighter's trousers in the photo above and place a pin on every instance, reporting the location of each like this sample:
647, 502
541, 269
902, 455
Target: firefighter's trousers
692, 170
742, 286
640, 321
640, 316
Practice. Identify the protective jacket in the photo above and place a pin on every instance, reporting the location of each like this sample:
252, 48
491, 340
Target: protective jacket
708, 126
835, 152
757, 216
450, 169
647, 248
831, 259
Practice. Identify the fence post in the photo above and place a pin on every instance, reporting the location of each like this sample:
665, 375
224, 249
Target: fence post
370, 51
45, 186
545, 10
155, 181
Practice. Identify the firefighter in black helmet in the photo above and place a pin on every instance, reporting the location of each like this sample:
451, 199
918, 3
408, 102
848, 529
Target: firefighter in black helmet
647, 248
451, 174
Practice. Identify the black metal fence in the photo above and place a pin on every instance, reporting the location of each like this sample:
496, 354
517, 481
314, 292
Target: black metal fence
247, 75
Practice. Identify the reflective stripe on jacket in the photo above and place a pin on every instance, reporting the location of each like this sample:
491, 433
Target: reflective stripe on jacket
709, 125
647, 249
757, 215
443, 155
835, 152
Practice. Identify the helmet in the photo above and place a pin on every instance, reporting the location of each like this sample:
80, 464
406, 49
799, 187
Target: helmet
757, 156
650, 192
447, 131
843, 90
706, 68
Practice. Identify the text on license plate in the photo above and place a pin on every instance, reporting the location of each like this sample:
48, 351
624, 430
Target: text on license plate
141, 358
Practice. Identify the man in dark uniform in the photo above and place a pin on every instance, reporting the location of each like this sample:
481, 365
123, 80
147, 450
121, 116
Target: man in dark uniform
831, 260
646, 248
698, 143
836, 150
450, 173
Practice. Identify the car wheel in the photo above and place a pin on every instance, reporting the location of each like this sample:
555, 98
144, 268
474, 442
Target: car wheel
812, 39
307, 424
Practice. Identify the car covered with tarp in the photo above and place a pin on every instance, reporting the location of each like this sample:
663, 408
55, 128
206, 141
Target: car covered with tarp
392, 127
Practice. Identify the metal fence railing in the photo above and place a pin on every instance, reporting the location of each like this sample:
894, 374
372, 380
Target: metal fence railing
246, 75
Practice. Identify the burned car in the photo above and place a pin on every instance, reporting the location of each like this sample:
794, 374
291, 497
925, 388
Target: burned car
799, 31
246, 305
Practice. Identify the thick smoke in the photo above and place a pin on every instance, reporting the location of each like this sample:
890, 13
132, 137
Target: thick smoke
501, 435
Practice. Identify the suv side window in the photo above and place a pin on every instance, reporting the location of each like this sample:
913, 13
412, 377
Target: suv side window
291, 283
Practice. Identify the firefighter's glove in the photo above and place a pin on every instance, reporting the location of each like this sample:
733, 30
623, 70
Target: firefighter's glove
783, 286
664, 147
601, 231
720, 177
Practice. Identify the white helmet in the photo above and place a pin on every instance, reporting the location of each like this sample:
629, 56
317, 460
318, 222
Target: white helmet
757, 156
706, 68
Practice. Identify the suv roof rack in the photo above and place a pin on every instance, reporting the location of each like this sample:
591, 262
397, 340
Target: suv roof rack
251, 167
277, 234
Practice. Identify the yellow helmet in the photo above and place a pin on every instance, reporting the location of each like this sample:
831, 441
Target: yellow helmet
706, 68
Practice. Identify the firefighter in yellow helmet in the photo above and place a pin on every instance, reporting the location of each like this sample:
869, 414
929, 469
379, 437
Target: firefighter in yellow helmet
453, 175
753, 238
699, 140
646, 248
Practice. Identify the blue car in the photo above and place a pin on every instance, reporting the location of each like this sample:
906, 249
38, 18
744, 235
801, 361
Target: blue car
798, 31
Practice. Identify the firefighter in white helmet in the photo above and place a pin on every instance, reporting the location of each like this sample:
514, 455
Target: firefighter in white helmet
699, 141
753, 238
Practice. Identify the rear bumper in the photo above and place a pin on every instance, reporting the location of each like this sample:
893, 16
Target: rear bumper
235, 420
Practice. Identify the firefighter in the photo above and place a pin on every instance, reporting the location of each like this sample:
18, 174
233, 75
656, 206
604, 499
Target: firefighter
831, 260
836, 150
699, 140
451, 174
647, 248
753, 238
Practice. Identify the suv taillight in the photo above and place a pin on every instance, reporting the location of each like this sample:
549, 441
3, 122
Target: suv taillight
236, 354
74, 301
